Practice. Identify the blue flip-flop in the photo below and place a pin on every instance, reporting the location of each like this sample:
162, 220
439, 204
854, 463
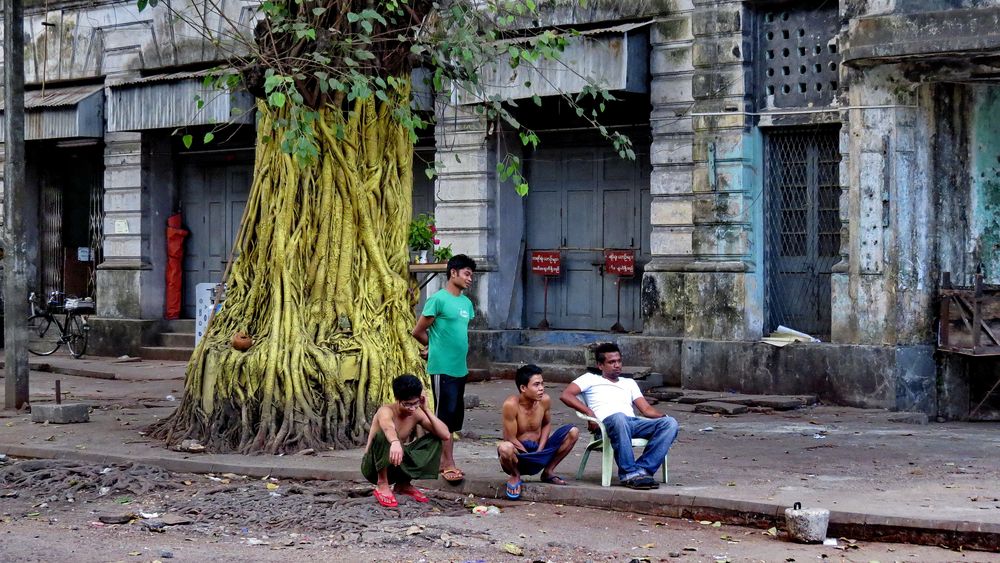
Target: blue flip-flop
514, 491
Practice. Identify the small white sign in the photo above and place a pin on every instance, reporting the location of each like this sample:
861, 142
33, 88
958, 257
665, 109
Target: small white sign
121, 226
83, 254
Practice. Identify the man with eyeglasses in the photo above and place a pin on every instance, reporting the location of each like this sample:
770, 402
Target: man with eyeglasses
395, 455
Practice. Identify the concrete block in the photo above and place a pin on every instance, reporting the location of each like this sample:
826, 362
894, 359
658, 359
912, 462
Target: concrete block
67, 413
471, 401
671, 212
807, 525
713, 407
671, 242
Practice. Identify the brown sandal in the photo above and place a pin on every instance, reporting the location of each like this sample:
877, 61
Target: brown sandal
452, 475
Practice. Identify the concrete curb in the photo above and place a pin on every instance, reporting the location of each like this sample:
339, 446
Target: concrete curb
66, 370
860, 526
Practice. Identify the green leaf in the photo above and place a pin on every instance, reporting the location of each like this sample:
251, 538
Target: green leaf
521, 189
352, 17
208, 137
141, 4
370, 14
272, 82
277, 99
187, 140
319, 11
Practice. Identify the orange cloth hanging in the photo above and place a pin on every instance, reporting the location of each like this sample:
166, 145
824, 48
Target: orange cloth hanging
175, 258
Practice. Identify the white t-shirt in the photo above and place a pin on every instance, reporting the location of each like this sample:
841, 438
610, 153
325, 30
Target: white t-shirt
606, 397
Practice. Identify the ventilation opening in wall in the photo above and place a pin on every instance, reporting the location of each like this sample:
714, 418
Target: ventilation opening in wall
802, 37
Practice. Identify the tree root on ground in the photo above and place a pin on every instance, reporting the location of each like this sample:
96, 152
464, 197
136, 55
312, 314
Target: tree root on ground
68, 479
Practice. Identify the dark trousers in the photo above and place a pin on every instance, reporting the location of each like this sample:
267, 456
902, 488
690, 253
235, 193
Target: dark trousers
449, 398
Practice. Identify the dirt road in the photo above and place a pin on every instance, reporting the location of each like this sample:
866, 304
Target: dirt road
64, 511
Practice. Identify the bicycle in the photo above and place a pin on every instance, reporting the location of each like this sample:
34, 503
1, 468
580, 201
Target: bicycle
46, 334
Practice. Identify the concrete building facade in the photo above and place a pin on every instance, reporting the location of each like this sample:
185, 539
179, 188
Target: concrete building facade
811, 165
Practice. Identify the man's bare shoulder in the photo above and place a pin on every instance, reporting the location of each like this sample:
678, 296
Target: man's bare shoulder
510, 404
546, 401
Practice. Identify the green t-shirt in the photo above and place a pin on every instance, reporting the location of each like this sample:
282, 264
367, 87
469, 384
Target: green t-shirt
448, 337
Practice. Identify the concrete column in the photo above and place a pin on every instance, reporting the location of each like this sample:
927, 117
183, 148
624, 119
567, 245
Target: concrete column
696, 285
464, 195
672, 206
126, 262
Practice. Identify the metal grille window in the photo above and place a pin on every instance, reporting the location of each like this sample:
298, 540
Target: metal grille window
96, 234
798, 55
802, 226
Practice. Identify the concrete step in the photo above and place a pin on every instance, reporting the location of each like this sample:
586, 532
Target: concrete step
179, 353
565, 373
572, 355
177, 339
564, 337
179, 325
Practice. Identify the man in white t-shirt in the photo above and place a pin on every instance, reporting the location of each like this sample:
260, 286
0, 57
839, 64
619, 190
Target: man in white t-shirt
610, 399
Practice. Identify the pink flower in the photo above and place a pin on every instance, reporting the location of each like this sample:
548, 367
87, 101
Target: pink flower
436, 241
433, 229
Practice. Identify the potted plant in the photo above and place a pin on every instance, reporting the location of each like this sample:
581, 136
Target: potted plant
421, 237
442, 253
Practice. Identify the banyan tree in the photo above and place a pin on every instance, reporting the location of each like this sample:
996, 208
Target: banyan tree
317, 313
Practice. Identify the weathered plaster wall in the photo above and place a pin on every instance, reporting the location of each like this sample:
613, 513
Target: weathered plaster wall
985, 179
950, 154
87, 40
575, 12
884, 295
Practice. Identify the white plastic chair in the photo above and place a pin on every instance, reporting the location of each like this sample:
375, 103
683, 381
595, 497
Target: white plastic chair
603, 444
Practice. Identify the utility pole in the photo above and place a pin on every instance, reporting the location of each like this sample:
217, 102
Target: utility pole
15, 195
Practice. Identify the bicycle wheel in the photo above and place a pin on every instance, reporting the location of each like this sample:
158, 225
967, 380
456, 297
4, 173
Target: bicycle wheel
76, 335
43, 335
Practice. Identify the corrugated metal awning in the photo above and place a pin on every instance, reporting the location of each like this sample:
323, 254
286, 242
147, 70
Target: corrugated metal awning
616, 58
62, 113
170, 100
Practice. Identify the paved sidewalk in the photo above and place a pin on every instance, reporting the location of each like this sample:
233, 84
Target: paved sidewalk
934, 483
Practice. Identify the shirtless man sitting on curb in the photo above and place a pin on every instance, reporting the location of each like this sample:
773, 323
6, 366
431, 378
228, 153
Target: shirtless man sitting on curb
527, 446
394, 455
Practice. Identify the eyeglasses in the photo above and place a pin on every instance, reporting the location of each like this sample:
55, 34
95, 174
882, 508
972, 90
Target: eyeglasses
410, 404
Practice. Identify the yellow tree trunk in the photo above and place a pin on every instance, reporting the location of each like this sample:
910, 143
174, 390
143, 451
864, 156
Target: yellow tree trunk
319, 282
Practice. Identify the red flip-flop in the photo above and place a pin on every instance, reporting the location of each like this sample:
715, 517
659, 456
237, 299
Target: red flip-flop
388, 501
416, 494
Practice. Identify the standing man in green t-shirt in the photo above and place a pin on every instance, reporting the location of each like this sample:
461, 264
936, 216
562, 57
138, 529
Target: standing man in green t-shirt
443, 329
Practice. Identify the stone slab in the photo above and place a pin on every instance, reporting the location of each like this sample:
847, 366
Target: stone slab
66, 413
664, 394
779, 403
713, 407
918, 418
695, 397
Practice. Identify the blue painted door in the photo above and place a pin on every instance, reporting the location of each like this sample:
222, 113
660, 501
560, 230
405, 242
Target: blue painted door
213, 196
583, 200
